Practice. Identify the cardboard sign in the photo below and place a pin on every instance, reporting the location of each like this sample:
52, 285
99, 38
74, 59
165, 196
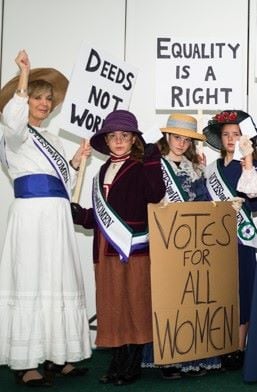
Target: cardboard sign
194, 273
197, 74
99, 84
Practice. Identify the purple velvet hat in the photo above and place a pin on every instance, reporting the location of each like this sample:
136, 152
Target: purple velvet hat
119, 120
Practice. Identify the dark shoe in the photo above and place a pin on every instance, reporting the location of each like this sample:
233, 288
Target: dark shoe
170, 373
75, 372
126, 379
52, 369
132, 371
108, 378
233, 361
37, 382
117, 365
133, 367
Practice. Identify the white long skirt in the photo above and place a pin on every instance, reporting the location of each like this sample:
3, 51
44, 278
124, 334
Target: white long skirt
42, 298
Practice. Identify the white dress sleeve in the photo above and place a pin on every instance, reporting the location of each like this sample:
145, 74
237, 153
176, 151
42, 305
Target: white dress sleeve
247, 183
15, 120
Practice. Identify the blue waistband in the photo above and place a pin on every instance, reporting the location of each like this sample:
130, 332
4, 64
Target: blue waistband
39, 185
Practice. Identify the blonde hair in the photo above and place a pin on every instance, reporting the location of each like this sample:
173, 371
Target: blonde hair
39, 86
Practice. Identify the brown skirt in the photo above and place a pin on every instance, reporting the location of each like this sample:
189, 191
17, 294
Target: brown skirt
123, 300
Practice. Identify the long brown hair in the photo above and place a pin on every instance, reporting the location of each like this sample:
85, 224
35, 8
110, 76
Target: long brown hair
254, 140
190, 153
137, 149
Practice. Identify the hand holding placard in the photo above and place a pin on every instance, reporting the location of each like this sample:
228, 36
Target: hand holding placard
83, 160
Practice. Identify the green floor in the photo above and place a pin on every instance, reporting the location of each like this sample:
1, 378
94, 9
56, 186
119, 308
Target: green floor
150, 381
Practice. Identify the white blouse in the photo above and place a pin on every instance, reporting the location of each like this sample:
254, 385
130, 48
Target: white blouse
22, 156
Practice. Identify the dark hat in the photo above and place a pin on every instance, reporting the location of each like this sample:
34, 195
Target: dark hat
213, 129
50, 75
184, 125
119, 120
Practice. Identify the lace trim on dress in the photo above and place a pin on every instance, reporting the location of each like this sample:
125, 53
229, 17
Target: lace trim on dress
188, 173
247, 183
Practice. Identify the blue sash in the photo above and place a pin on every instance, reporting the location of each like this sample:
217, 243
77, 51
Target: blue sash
57, 161
39, 185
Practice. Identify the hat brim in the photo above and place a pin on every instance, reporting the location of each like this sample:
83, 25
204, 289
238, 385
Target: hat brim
213, 136
185, 132
50, 75
98, 142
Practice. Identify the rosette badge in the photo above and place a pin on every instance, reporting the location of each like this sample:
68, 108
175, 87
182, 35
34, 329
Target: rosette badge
246, 231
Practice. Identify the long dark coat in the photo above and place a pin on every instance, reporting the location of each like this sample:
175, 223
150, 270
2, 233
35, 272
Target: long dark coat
123, 290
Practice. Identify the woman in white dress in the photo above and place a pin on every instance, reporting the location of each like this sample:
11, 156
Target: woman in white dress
43, 317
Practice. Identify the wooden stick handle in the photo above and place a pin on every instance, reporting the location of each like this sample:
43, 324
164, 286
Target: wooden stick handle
77, 190
200, 127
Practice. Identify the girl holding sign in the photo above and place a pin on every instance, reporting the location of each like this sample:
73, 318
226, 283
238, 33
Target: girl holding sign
183, 173
180, 163
121, 191
43, 307
223, 132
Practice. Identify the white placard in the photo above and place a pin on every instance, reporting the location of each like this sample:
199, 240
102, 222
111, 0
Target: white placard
99, 84
194, 74
247, 128
237, 156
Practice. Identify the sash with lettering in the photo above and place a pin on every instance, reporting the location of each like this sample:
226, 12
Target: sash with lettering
113, 228
220, 190
58, 162
174, 191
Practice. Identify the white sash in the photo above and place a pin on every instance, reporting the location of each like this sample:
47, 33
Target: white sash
174, 191
116, 232
58, 162
220, 190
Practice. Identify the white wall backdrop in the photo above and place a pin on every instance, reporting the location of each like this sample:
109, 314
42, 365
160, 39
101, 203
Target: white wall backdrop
199, 20
1, 17
252, 70
53, 30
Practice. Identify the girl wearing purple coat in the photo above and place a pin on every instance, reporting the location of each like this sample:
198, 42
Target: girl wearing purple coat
129, 180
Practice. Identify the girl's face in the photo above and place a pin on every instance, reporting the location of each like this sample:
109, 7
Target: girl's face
230, 133
178, 144
120, 142
40, 105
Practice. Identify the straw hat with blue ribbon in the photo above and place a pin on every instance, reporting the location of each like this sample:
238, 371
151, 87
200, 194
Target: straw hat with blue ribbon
183, 125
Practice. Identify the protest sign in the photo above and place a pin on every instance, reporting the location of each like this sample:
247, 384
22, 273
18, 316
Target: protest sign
197, 74
194, 277
99, 84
